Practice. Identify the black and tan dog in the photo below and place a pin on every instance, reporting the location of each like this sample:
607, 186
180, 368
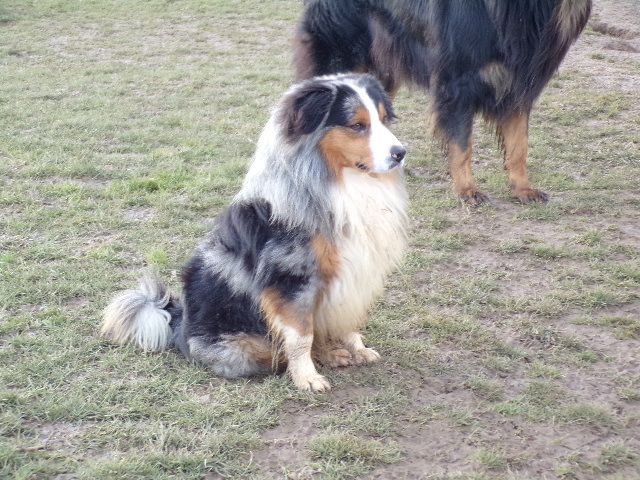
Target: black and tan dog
492, 57
288, 273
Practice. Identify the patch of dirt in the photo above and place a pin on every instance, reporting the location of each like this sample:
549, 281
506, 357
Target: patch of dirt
621, 46
614, 21
612, 30
286, 443
55, 437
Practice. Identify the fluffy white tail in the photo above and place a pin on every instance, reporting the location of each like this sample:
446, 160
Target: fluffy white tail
138, 316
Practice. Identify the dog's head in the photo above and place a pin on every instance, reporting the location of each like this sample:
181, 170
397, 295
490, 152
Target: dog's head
347, 117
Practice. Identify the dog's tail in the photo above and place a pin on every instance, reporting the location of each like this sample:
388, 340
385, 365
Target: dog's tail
145, 316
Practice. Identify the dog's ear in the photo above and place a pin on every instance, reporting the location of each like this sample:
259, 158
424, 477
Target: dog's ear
307, 108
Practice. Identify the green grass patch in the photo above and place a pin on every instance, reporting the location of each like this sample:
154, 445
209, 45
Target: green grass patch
491, 459
589, 415
540, 370
485, 388
342, 455
616, 455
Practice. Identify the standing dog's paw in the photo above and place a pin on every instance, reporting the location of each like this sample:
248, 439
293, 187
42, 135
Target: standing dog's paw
313, 383
473, 197
365, 356
530, 195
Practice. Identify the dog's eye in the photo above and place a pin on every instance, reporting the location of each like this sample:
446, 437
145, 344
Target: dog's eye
358, 127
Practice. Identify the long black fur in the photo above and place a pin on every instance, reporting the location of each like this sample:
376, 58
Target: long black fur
442, 46
247, 232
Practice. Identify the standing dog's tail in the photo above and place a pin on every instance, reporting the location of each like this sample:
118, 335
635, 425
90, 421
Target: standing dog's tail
146, 316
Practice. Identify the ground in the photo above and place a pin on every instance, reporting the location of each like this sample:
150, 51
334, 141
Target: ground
510, 335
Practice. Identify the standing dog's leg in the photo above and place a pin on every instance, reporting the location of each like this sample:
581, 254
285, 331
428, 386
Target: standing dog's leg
515, 138
453, 122
460, 169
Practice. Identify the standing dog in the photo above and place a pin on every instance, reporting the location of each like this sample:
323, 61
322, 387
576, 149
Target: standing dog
293, 264
492, 57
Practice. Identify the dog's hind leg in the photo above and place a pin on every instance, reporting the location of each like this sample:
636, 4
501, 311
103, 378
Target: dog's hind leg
362, 355
515, 141
345, 350
233, 356
331, 353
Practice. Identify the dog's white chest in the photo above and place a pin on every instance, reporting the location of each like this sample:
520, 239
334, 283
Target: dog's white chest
371, 215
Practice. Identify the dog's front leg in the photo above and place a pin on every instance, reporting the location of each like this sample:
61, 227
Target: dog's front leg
291, 327
297, 348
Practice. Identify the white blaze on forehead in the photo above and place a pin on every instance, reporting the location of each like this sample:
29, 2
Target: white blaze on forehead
381, 140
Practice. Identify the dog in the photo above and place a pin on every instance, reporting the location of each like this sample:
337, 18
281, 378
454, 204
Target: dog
492, 57
291, 267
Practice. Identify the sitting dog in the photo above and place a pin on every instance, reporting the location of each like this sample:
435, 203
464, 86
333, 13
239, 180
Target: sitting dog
293, 264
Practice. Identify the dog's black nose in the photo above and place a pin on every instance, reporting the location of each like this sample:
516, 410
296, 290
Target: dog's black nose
398, 153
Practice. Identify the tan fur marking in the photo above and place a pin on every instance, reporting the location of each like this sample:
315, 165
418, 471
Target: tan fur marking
387, 63
515, 142
515, 136
361, 116
460, 169
331, 354
302, 56
382, 112
258, 347
392, 177
393, 91
343, 148
294, 332
327, 256
432, 123
328, 260
279, 312
498, 77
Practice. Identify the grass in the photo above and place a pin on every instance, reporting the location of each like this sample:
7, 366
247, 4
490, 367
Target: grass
485, 388
491, 459
347, 456
616, 455
128, 126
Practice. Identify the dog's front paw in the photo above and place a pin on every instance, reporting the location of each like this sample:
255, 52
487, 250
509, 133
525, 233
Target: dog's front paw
473, 197
530, 195
338, 357
312, 383
364, 356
